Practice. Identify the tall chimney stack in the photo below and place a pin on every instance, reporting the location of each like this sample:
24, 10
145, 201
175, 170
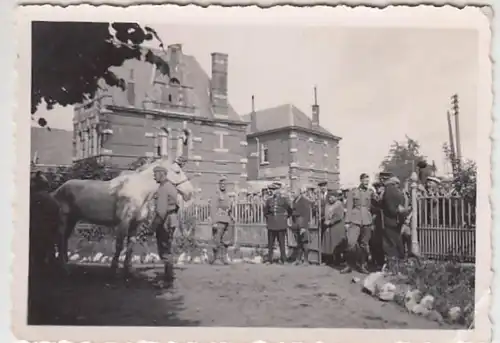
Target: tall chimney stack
218, 83
253, 117
315, 110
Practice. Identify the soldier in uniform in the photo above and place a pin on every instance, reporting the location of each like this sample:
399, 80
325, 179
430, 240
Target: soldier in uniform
165, 221
300, 224
277, 210
359, 224
221, 222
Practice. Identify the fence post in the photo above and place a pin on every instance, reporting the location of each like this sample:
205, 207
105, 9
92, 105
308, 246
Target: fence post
415, 246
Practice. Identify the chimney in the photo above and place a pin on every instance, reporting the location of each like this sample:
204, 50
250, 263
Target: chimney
174, 59
253, 117
218, 84
315, 111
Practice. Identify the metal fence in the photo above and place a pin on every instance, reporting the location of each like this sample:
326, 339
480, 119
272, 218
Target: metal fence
446, 226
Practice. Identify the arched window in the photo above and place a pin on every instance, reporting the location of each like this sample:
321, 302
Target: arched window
170, 98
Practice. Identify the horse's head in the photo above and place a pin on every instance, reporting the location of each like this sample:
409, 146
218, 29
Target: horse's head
177, 176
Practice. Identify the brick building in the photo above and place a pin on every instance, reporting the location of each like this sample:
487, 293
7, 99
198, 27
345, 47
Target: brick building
122, 126
285, 144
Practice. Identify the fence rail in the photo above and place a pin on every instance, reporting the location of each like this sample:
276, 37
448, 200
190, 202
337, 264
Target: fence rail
445, 226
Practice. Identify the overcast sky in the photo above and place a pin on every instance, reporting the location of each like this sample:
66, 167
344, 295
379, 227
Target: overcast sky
375, 85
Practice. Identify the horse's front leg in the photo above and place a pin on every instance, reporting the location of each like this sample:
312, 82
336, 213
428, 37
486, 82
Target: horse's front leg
131, 240
120, 238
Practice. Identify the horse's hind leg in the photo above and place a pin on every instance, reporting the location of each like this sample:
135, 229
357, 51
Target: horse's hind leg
67, 225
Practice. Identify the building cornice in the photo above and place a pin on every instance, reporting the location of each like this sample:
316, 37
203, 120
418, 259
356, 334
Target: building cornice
187, 117
295, 128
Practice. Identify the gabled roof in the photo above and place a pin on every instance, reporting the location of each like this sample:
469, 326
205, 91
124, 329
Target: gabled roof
194, 78
283, 117
54, 147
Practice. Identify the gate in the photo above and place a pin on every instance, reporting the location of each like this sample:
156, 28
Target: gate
249, 228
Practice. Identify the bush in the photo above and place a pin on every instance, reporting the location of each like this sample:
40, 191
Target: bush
450, 283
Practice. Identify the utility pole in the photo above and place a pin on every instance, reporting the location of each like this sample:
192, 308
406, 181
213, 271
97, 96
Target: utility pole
452, 144
456, 110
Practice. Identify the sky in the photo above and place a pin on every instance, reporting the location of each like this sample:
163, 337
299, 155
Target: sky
375, 85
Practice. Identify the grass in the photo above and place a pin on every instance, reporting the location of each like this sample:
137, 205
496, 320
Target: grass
450, 283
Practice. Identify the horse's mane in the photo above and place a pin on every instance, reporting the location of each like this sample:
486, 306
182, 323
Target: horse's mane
118, 182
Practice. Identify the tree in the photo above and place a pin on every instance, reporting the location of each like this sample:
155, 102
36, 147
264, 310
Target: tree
464, 177
69, 59
402, 159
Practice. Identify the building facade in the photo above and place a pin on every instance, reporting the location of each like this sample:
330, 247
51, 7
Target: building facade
153, 114
285, 144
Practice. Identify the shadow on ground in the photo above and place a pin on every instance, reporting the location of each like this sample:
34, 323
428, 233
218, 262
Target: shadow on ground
92, 295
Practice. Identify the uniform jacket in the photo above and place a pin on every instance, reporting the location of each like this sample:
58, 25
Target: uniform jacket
301, 212
392, 199
221, 208
359, 206
166, 200
277, 210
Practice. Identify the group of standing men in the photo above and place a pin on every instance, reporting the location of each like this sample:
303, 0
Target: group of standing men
363, 225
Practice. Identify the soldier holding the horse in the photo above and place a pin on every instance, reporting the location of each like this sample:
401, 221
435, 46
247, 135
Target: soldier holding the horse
166, 221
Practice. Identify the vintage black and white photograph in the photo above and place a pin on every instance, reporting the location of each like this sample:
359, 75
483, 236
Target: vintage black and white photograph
307, 174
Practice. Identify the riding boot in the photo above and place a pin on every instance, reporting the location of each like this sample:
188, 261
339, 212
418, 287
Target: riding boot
223, 255
362, 262
351, 260
168, 276
298, 259
306, 256
215, 252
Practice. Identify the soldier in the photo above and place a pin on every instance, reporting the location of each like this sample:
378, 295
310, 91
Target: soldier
221, 221
300, 224
376, 241
359, 224
165, 221
277, 210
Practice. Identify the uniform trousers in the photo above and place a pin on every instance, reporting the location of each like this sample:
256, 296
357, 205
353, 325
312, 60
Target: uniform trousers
272, 236
164, 238
358, 236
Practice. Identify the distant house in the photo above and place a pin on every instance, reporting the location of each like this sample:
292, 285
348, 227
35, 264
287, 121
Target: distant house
285, 144
122, 126
51, 149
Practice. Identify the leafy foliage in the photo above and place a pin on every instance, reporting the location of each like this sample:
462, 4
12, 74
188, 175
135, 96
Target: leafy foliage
70, 58
402, 158
465, 176
450, 283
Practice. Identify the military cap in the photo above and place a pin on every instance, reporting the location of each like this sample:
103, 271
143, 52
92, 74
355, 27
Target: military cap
377, 184
383, 175
159, 169
277, 185
272, 186
393, 180
363, 176
434, 179
180, 160
322, 183
223, 178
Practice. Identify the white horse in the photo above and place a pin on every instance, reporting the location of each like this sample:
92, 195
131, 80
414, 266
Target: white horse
121, 203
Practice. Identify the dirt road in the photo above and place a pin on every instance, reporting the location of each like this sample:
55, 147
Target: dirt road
237, 295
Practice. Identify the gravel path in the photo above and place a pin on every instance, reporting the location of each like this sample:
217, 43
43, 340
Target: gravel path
239, 295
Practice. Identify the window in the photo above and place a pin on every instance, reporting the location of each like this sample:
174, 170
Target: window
170, 98
219, 143
264, 154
